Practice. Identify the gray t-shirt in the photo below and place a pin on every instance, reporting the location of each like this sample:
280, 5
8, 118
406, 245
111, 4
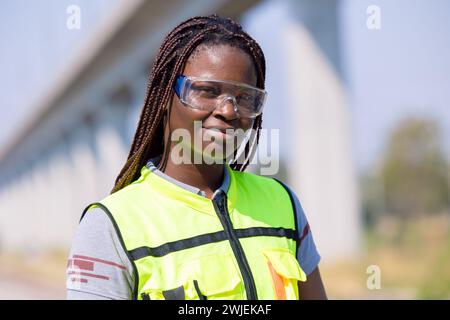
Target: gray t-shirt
98, 267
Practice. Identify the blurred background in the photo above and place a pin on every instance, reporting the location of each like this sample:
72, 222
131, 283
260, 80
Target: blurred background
359, 90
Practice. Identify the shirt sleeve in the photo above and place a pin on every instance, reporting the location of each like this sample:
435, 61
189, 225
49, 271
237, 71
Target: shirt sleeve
98, 267
307, 254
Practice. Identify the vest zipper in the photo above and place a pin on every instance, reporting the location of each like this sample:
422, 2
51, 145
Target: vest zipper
220, 206
199, 293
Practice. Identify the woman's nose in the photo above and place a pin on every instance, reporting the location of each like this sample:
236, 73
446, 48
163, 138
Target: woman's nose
227, 108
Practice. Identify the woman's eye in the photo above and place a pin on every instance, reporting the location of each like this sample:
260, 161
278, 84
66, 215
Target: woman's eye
206, 90
244, 98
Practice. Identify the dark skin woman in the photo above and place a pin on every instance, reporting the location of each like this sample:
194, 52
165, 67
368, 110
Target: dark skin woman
225, 63
219, 62
210, 52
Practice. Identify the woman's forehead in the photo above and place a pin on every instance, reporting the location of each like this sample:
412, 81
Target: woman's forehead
222, 62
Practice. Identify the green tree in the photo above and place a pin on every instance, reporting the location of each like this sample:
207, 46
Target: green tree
414, 172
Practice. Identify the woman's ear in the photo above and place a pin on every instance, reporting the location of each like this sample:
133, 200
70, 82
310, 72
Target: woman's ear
165, 122
165, 112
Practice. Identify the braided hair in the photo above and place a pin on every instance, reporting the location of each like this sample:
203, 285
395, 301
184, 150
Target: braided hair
173, 54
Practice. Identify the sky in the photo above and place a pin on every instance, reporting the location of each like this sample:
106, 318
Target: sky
35, 45
399, 70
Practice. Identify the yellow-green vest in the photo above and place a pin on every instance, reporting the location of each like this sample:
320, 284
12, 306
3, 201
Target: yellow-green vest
239, 245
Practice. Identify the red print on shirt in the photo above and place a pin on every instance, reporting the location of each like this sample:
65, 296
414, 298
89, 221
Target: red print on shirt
80, 268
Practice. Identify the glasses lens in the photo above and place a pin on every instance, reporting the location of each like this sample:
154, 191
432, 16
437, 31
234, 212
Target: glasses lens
208, 94
203, 94
250, 102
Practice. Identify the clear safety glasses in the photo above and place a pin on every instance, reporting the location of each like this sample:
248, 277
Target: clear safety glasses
208, 94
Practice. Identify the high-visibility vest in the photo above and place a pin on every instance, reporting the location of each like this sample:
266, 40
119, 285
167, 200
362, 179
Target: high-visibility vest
238, 245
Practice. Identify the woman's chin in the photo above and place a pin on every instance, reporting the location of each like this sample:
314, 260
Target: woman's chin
214, 135
215, 153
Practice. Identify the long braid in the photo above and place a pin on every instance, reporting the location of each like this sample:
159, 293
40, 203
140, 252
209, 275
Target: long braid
172, 55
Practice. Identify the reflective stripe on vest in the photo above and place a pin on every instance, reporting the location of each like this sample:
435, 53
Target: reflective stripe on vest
239, 245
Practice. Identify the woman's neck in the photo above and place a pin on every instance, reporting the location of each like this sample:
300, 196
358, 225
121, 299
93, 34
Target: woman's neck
206, 177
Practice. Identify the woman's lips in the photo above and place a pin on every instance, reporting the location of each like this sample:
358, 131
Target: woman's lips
221, 133
222, 129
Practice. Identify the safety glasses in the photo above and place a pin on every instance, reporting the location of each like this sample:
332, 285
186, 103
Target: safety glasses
207, 94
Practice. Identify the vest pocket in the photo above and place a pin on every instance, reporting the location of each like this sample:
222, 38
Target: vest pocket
216, 277
178, 293
285, 273
209, 277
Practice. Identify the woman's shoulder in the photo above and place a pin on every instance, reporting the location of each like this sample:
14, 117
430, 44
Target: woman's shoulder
118, 197
96, 247
254, 177
265, 181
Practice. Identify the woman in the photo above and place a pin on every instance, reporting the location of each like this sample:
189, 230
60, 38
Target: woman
183, 220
